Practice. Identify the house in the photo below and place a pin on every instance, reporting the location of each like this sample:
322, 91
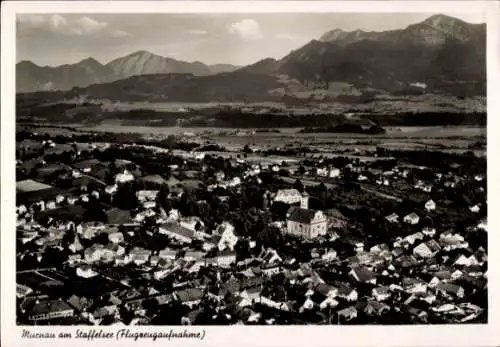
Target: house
189, 296
326, 290
22, 290
381, 293
457, 274
450, 289
74, 259
392, 218
124, 177
111, 189
426, 188
427, 231
451, 241
423, 251
364, 275
116, 237
475, 208
348, 293
288, 196
375, 308
139, 255
306, 223
105, 311
93, 253
329, 255
334, 172
412, 218
193, 255
329, 302
177, 232
81, 304
411, 239
76, 245
430, 205
270, 256
348, 313
50, 309
413, 285
228, 236
322, 172
362, 178
147, 195
226, 258
252, 295
270, 270
85, 271
122, 259
335, 218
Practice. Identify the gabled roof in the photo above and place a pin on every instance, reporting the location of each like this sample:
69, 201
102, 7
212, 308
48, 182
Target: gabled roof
448, 287
300, 215
189, 294
88, 164
363, 274
155, 179
118, 216
178, 229
288, 192
31, 186
412, 215
47, 306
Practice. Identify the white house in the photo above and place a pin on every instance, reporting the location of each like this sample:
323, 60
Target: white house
86, 272
475, 208
392, 218
430, 205
177, 232
423, 251
334, 172
288, 196
116, 237
123, 177
381, 293
412, 218
111, 189
147, 195
228, 237
226, 258
427, 231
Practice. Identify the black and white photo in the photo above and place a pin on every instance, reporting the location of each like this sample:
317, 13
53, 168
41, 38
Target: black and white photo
250, 169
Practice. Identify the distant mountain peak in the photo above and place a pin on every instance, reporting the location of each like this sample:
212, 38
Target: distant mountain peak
91, 62
27, 63
142, 54
441, 19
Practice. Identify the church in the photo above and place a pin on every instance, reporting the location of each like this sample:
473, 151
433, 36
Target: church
305, 223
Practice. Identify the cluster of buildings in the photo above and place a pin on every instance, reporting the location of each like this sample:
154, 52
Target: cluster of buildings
145, 264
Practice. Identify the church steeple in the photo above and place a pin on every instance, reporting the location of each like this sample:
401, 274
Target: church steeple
304, 201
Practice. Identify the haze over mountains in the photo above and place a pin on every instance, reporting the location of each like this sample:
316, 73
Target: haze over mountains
442, 54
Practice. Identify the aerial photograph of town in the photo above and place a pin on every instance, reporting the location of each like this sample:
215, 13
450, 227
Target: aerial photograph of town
251, 169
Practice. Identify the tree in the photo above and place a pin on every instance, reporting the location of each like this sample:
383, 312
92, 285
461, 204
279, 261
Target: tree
299, 186
125, 197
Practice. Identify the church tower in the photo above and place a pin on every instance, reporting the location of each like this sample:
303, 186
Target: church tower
304, 201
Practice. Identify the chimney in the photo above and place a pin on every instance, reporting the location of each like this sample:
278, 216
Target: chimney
304, 201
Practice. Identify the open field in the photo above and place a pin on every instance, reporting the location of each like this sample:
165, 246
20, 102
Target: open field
451, 139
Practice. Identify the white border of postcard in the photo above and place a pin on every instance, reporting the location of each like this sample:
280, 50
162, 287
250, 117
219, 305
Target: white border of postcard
436, 335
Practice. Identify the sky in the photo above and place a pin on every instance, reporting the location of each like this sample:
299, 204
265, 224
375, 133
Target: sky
239, 39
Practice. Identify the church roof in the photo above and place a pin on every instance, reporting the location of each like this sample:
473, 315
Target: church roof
300, 215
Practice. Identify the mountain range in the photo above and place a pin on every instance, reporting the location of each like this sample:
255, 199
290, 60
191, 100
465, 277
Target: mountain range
31, 77
441, 54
